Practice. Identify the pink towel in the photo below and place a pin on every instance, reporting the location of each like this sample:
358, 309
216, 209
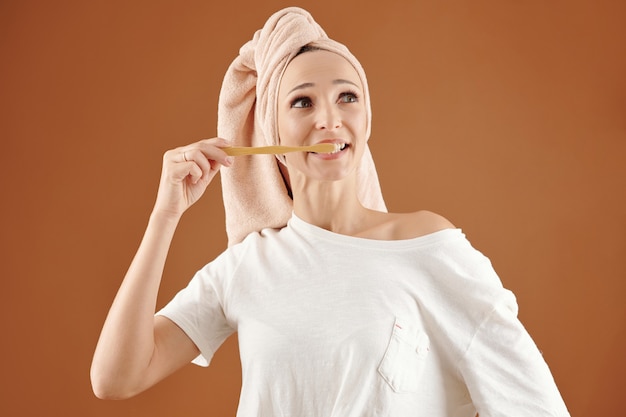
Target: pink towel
254, 192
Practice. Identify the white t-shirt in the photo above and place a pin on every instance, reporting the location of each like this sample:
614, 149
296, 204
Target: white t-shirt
333, 325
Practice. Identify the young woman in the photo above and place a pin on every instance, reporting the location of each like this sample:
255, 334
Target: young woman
345, 310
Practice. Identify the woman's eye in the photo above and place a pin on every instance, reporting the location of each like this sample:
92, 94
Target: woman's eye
301, 102
348, 98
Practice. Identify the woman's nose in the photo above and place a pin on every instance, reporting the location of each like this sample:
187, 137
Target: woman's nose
328, 117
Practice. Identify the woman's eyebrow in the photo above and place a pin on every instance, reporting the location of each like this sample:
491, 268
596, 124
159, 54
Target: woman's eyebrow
342, 81
301, 86
307, 85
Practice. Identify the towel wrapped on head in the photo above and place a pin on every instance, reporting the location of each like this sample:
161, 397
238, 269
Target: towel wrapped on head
254, 191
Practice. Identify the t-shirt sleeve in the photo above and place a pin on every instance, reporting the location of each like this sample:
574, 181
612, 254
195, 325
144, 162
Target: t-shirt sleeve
506, 373
198, 311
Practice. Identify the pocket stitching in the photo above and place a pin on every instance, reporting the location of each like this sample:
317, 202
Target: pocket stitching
393, 369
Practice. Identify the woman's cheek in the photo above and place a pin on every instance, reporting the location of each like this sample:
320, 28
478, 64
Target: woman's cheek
290, 134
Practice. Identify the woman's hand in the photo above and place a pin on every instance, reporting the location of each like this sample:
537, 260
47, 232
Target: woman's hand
186, 173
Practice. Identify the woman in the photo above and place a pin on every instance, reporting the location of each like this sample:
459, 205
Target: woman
346, 310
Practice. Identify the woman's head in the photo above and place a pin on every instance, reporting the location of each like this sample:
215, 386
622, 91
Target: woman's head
254, 190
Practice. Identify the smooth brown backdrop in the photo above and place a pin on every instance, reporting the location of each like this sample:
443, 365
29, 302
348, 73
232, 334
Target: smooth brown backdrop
506, 117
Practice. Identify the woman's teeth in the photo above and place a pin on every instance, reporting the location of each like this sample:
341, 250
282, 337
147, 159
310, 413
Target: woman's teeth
339, 147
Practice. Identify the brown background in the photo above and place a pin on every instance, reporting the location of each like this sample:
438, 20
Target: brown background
506, 117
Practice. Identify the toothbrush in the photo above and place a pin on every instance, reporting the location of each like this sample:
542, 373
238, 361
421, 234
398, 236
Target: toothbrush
255, 150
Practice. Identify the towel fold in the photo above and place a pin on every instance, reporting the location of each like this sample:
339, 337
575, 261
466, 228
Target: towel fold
254, 192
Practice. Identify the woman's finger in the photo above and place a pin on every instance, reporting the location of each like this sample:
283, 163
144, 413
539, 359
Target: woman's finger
199, 165
212, 148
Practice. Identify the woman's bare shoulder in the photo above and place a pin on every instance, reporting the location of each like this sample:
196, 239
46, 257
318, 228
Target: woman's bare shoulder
400, 226
420, 223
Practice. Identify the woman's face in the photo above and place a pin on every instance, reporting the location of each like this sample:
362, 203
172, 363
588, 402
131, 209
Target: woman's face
320, 99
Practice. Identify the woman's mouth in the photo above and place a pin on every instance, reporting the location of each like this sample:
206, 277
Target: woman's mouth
339, 146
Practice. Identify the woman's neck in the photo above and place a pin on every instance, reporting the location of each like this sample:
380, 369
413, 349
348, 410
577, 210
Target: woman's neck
332, 205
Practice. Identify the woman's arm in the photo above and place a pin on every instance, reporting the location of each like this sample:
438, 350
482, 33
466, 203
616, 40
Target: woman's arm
506, 373
137, 349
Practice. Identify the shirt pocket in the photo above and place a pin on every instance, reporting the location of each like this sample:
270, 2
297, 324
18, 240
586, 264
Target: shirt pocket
405, 357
